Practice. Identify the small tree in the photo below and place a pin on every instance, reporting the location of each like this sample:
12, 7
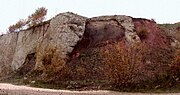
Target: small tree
32, 20
37, 17
18, 26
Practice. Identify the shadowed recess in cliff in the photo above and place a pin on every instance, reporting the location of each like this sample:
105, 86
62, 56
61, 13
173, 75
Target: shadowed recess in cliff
99, 33
28, 65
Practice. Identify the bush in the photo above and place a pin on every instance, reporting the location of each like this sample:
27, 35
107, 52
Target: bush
138, 65
123, 63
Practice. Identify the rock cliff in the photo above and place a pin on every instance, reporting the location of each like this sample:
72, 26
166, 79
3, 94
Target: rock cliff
51, 40
55, 39
119, 49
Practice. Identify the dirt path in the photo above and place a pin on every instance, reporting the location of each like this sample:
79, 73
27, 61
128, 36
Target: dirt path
9, 89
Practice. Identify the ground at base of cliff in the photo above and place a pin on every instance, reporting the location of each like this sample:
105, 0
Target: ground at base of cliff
9, 89
99, 85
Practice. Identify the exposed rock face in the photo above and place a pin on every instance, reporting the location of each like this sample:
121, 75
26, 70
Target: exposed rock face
64, 31
111, 28
27, 43
71, 47
18, 47
7, 50
55, 38
53, 41
118, 21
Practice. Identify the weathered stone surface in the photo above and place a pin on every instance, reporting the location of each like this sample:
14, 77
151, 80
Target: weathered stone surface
7, 49
27, 43
121, 21
64, 32
51, 42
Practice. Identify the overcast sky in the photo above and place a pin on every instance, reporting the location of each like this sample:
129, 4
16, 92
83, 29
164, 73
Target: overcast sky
163, 11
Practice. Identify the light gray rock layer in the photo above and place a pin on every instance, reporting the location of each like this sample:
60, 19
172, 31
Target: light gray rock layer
51, 42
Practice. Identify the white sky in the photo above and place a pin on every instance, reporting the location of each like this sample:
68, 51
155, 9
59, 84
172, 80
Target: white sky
163, 11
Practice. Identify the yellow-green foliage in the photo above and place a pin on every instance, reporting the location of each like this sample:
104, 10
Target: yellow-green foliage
32, 20
122, 63
37, 17
18, 26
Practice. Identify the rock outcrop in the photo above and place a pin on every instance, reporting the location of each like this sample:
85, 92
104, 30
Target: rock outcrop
115, 49
108, 45
50, 42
